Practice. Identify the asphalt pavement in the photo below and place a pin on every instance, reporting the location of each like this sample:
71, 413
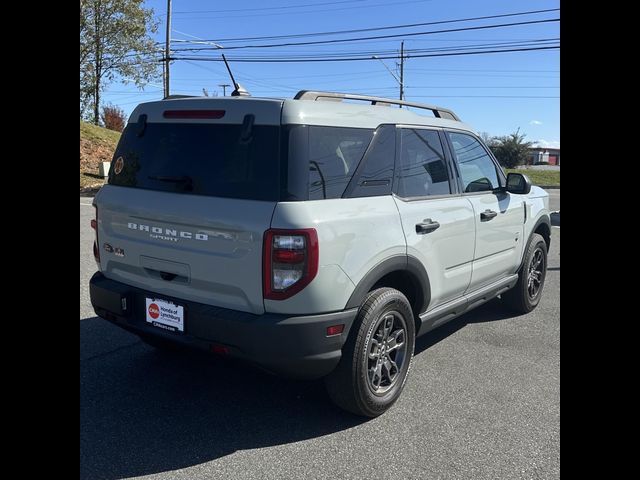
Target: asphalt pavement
482, 402
554, 199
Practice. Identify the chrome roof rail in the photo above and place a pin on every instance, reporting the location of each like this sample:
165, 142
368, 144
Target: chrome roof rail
438, 112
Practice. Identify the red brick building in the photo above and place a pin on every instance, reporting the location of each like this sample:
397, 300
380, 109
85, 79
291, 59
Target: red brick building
544, 155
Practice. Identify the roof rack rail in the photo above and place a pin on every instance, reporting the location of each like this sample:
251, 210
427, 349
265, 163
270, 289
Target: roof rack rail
439, 112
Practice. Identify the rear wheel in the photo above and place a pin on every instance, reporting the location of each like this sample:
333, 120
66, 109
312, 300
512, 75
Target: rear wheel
525, 296
376, 358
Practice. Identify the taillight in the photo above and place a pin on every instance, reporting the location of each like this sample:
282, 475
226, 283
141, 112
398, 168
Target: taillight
290, 261
96, 243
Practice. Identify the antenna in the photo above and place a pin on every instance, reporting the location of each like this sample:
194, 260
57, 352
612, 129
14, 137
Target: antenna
233, 80
239, 91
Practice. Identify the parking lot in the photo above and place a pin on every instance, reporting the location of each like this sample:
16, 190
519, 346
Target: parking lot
554, 199
482, 402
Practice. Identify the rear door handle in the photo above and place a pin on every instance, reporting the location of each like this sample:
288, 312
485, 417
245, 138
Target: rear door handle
426, 226
487, 215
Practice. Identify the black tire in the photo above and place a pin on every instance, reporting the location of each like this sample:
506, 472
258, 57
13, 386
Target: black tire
520, 298
370, 355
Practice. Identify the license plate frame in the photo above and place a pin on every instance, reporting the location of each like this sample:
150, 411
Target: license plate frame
165, 314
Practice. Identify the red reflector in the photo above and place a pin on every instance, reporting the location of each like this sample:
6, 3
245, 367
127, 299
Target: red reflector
219, 349
335, 330
193, 114
288, 256
93, 223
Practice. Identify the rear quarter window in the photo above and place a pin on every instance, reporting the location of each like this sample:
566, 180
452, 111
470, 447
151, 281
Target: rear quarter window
322, 160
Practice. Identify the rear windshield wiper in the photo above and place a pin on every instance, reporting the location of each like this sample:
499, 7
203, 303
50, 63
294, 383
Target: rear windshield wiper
185, 181
172, 179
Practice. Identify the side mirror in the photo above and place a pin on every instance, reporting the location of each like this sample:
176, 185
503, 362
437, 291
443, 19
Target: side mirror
518, 183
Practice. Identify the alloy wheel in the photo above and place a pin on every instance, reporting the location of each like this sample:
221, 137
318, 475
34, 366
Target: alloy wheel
387, 352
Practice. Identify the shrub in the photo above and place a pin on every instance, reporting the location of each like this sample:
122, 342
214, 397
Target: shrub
511, 150
113, 118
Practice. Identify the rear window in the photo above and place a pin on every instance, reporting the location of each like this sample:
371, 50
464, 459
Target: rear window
202, 159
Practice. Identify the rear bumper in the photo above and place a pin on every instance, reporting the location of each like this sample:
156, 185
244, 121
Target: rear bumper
293, 346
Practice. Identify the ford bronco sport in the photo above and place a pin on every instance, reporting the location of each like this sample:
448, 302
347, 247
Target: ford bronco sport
314, 237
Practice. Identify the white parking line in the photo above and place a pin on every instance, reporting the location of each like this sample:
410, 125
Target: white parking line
86, 204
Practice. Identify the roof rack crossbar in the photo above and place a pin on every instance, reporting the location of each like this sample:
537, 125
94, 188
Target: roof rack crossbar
439, 112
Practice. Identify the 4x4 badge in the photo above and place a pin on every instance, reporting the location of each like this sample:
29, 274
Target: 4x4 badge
117, 168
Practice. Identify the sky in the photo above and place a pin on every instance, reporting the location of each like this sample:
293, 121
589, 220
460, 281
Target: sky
496, 93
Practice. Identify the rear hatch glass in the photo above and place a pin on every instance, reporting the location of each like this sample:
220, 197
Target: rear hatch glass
235, 161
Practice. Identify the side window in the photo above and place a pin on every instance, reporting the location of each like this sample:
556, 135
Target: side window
477, 170
334, 154
422, 166
376, 173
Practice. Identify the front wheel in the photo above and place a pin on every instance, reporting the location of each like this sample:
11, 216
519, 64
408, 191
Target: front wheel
525, 296
376, 358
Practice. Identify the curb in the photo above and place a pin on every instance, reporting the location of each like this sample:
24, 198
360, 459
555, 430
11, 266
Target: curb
90, 190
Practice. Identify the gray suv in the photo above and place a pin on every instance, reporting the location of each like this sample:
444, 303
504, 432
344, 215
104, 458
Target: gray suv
314, 237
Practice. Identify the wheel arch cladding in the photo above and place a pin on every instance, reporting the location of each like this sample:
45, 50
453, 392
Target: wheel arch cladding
402, 272
543, 228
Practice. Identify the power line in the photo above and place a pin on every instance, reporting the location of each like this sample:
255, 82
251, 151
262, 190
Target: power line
482, 96
359, 49
360, 30
386, 4
131, 92
484, 75
369, 53
483, 86
288, 7
380, 74
397, 35
467, 70
384, 28
347, 59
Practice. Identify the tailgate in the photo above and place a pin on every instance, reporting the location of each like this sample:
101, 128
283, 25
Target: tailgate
199, 248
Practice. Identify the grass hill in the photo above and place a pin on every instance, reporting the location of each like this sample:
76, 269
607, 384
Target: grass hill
97, 145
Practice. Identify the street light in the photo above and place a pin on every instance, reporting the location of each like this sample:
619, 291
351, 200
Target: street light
388, 69
393, 75
203, 42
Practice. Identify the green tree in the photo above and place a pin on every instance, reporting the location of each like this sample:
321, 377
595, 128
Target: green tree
115, 42
511, 150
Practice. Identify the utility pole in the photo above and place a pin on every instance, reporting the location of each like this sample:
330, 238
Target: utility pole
401, 71
167, 50
164, 76
224, 88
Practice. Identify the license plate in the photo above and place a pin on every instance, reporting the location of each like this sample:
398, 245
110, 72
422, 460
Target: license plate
165, 315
